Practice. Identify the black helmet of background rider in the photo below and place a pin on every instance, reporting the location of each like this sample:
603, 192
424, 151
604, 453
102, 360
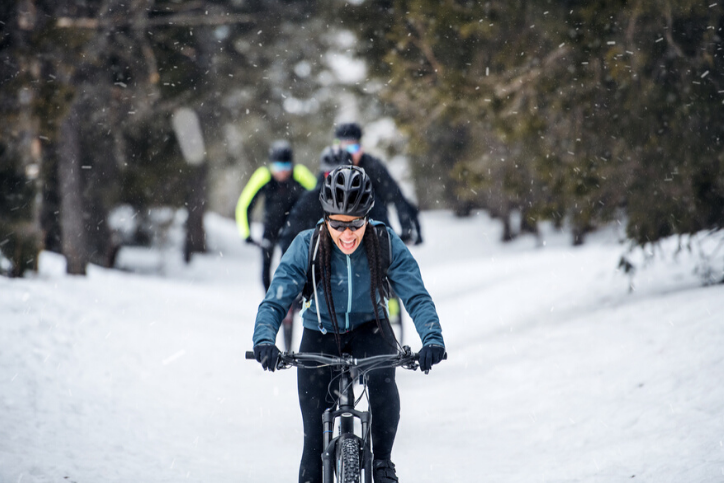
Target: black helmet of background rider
333, 157
349, 131
281, 158
348, 136
281, 151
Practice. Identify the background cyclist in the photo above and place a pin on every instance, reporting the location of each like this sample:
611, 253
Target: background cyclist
280, 184
348, 136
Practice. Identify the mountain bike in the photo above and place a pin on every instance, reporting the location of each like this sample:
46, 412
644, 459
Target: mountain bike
348, 456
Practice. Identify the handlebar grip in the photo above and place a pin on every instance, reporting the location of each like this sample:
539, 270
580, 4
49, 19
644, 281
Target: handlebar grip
417, 356
250, 355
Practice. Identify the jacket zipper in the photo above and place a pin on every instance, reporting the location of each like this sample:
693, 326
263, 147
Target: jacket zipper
349, 292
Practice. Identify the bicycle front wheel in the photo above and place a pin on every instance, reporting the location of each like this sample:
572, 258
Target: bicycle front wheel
348, 460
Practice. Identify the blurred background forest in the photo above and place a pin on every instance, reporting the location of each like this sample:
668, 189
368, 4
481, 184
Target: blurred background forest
579, 112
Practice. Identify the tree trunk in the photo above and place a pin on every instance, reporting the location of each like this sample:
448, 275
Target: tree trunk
101, 178
507, 229
196, 206
73, 234
50, 196
528, 224
579, 234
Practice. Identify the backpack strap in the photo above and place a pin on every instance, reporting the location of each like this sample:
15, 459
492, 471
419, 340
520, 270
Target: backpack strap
386, 253
308, 289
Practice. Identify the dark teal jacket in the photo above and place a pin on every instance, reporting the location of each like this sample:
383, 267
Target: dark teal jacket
350, 284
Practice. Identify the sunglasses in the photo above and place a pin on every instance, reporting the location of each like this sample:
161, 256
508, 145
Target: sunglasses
352, 148
278, 166
353, 225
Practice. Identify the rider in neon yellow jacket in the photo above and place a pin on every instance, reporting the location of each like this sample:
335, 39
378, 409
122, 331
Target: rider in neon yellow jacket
280, 184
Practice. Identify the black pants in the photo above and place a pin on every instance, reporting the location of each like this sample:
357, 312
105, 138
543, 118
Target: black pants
267, 252
268, 243
313, 387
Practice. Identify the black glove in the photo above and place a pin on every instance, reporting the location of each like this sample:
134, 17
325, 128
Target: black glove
411, 233
249, 240
412, 236
429, 355
418, 232
267, 355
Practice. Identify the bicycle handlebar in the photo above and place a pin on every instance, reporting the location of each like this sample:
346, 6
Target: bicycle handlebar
405, 359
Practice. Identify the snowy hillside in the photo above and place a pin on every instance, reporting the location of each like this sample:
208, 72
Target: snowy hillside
557, 372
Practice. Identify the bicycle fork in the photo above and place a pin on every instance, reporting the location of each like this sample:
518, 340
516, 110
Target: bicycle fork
346, 414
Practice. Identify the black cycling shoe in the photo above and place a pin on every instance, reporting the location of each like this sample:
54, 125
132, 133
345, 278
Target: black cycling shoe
384, 471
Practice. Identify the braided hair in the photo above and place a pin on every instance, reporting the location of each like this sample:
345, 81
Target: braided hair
324, 261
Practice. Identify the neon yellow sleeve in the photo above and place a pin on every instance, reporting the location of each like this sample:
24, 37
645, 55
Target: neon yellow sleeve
304, 177
260, 177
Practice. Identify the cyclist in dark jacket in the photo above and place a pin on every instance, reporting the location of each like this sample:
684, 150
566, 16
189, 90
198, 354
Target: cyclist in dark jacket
352, 319
348, 136
307, 212
280, 185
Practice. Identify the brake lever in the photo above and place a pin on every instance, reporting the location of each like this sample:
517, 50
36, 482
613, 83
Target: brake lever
281, 363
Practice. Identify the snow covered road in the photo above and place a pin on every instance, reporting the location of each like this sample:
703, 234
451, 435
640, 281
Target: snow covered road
556, 372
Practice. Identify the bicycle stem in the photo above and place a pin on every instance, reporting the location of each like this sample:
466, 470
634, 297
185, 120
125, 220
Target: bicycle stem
346, 401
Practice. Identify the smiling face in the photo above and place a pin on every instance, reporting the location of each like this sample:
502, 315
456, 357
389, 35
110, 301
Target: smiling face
347, 241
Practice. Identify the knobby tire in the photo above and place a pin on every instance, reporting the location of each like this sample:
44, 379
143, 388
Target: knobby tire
348, 459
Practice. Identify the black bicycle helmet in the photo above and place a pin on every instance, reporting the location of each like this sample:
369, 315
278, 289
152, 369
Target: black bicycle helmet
333, 157
348, 131
281, 151
347, 191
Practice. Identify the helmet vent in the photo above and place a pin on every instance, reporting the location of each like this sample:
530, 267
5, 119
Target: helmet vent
347, 191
